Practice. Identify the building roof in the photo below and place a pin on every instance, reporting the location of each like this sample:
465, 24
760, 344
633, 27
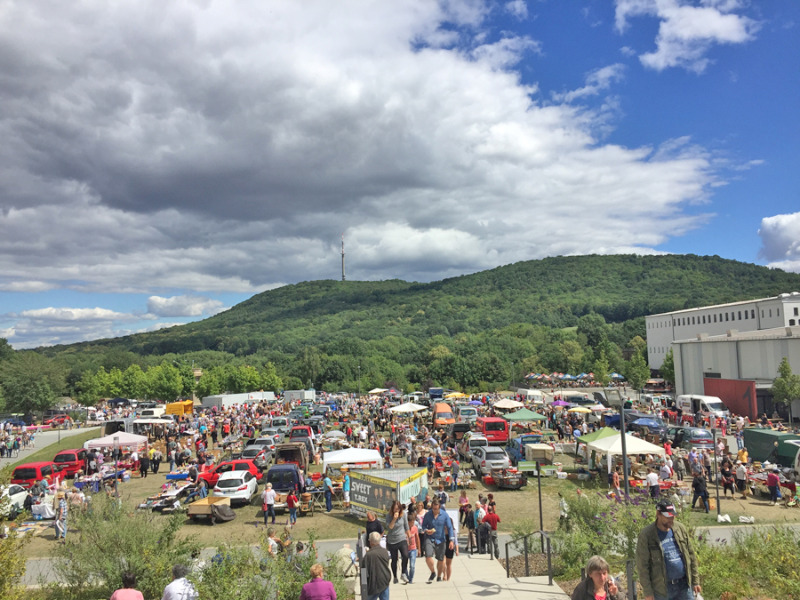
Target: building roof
784, 296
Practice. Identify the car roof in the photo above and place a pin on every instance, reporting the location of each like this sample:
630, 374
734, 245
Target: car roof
232, 475
40, 463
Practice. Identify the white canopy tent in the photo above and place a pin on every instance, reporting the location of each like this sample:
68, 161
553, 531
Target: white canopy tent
118, 440
407, 407
612, 445
377, 391
508, 403
352, 456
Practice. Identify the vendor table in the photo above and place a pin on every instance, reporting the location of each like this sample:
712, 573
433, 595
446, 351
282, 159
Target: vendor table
43, 511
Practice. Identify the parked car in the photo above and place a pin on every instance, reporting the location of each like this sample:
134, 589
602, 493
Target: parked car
265, 442
516, 446
56, 420
469, 443
286, 477
239, 486
690, 437
29, 473
259, 455
71, 460
299, 432
280, 423
484, 459
12, 500
274, 433
213, 474
456, 432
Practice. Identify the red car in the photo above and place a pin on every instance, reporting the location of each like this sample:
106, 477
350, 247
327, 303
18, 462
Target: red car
214, 472
71, 460
56, 420
29, 473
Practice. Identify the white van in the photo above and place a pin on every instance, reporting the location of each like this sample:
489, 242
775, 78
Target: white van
708, 406
466, 414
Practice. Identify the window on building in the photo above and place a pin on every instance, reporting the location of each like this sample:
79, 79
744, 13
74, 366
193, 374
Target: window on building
745, 315
726, 316
791, 321
715, 318
740, 315
753, 314
704, 319
777, 312
796, 312
770, 312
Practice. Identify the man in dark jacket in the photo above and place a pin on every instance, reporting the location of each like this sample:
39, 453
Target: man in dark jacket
379, 575
665, 558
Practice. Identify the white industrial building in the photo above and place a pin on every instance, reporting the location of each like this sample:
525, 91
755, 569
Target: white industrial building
740, 317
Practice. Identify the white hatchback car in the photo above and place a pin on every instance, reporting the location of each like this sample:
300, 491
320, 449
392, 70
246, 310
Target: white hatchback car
239, 486
12, 499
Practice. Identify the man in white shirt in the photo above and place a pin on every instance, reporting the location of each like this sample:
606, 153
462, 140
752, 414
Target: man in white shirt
652, 482
179, 588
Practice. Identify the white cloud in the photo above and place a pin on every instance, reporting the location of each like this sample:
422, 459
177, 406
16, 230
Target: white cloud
183, 306
687, 31
597, 81
227, 148
780, 241
518, 8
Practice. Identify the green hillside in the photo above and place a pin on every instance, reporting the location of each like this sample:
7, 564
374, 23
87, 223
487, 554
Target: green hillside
553, 292
562, 313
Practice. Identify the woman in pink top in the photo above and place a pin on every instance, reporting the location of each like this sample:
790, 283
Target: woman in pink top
127, 592
318, 588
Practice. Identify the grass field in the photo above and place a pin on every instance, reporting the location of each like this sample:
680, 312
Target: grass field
513, 506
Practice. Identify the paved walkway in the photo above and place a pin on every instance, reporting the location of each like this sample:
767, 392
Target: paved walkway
475, 577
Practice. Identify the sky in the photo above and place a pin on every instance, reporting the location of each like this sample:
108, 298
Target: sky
163, 161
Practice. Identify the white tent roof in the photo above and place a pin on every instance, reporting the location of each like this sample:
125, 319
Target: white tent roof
119, 439
508, 403
377, 391
350, 456
407, 407
633, 445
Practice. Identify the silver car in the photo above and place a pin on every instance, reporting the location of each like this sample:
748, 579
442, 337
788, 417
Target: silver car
484, 459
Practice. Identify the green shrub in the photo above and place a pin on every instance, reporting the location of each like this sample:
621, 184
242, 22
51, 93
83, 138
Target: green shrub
106, 540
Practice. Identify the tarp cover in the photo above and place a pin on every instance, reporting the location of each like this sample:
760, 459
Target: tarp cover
221, 512
118, 439
351, 456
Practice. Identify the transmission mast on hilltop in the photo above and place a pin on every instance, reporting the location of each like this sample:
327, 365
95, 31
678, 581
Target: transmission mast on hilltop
343, 277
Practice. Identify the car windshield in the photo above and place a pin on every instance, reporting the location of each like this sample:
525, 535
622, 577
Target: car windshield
250, 452
61, 458
495, 456
25, 474
495, 426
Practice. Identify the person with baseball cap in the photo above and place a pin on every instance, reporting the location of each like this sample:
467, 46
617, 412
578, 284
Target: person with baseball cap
665, 559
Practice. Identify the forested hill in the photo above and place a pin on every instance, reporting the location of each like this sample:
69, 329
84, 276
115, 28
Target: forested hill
553, 292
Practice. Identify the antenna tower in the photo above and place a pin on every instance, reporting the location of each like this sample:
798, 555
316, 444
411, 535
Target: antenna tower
343, 277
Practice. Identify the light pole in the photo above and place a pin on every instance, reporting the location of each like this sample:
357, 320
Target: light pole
716, 468
624, 451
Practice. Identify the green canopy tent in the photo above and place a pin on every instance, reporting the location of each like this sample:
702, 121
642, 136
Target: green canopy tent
598, 435
524, 414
